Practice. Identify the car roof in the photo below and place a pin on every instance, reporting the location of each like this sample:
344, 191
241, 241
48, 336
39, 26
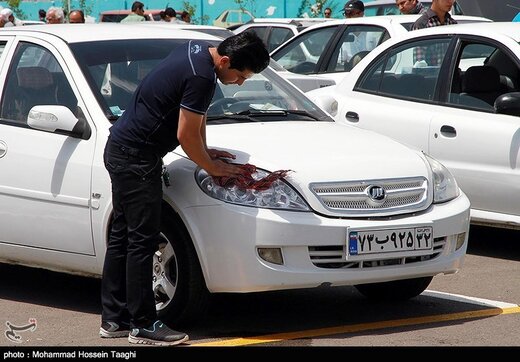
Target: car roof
302, 21
385, 20
490, 29
74, 33
209, 29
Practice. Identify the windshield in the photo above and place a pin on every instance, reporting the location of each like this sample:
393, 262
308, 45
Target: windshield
114, 69
265, 95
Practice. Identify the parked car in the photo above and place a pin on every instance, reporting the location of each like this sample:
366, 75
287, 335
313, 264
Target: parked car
115, 16
453, 92
232, 17
356, 208
388, 7
303, 82
333, 48
276, 31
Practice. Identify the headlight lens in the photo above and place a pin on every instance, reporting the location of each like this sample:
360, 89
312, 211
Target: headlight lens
445, 187
279, 196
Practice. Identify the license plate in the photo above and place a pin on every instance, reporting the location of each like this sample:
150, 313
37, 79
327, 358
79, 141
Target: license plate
387, 241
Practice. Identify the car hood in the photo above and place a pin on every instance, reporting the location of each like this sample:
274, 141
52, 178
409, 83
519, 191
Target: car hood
317, 152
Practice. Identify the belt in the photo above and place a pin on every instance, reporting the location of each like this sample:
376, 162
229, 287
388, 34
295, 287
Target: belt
132, 151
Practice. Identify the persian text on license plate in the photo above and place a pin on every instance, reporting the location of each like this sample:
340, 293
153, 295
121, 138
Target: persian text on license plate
386, 241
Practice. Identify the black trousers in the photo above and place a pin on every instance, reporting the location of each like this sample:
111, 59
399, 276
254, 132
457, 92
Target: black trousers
126, 287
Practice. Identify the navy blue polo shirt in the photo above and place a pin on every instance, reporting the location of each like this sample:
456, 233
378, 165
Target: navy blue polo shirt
185, 78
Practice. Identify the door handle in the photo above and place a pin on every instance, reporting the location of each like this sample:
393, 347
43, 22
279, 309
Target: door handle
352, 117
448, 131
3, 149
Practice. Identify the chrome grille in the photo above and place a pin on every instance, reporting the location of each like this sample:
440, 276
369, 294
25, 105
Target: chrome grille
334, 257
354, 198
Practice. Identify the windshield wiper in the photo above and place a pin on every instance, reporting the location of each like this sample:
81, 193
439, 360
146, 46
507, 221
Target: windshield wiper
280, 112
233, 116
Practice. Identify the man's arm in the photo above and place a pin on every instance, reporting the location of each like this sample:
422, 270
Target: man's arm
191, 134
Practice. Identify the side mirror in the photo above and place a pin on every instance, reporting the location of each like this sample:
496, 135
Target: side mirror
508, 103
52, 118
327, 103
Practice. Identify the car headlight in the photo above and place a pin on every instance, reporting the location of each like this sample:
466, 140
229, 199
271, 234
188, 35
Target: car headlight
445, 187
279, 196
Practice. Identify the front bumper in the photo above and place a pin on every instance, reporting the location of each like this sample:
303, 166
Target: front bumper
227, 238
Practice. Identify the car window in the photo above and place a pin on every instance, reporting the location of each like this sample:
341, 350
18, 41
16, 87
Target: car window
483, 72
35, 78
115, 68
410, 71
277, 37
264, 97
302, 55
2, 47
258, 30
356, 42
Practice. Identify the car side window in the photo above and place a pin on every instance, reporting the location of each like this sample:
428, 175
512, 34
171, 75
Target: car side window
302, 55
277, 37
482, 74
258, 30
356, 42
35, 78
410, 71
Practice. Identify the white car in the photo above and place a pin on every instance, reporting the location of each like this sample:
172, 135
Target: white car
453, 92
333, 48
356, 208
304, 82
276, 31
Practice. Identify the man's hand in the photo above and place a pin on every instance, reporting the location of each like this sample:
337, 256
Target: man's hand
214, 154
222, 168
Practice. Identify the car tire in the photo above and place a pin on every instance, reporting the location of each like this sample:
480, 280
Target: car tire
179, 287
395, 290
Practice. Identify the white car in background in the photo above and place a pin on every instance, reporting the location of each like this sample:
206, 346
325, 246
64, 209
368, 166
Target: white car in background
276, 31
356, 208
333, 48
453, 92
303, 82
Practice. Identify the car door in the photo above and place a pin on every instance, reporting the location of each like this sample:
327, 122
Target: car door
45, 178
479, 146
395, 94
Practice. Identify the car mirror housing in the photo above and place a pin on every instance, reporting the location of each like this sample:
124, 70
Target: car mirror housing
508, 103
327, 103
53, 118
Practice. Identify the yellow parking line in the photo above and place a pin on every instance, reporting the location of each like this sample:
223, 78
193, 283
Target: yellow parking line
359, 327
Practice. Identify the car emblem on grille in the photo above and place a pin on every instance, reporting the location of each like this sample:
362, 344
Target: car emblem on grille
376, 194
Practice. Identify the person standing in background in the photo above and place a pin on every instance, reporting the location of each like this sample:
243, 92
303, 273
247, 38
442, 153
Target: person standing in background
55, 15
137, 13
186, 17
438, 14
76, 17
11, 20
41, 15
354, 9
410, 7
327, 13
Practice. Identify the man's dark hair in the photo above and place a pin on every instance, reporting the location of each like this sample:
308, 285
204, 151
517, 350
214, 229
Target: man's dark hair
137, 5
245, 51
170, 12
42, 13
